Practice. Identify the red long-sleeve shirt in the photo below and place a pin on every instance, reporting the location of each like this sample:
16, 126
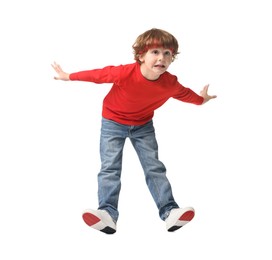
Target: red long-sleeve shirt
132, 98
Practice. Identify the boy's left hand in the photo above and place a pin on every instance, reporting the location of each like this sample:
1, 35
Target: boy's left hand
204, 94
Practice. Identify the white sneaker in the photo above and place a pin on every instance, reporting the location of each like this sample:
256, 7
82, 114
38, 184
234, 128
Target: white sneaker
100, 220
178, 218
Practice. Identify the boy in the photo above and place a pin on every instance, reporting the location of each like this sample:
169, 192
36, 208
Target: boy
138, 89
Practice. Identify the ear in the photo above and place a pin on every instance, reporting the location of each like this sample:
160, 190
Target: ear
141, 58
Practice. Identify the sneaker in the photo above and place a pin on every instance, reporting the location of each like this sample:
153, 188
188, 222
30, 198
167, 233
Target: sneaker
178, 218
100, 220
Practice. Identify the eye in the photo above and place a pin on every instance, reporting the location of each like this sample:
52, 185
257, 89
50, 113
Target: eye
167, 53
155, 51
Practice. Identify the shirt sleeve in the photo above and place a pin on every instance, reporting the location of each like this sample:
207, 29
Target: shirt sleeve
109, 74
187, 95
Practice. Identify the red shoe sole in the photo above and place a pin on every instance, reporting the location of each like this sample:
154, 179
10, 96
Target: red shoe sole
187, 216
90, 219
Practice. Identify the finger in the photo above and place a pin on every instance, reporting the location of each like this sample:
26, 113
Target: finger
53, 66
206, 87
204, 91
56, 67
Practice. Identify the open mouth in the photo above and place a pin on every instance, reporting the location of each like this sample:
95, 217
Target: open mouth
159, 66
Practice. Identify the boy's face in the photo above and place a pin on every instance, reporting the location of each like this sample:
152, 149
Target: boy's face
155, 62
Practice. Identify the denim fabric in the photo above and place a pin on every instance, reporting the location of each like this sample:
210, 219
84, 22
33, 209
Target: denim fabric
143, 139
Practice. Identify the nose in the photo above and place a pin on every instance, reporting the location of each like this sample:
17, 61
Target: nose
161, 56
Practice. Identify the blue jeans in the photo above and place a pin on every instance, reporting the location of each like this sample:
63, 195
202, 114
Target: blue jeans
113, 136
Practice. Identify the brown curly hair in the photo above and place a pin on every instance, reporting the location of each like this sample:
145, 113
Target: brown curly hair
154, 38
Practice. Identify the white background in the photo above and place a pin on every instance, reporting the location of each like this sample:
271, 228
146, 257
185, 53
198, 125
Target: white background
218, 155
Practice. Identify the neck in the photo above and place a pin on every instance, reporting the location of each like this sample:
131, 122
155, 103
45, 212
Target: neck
148, 74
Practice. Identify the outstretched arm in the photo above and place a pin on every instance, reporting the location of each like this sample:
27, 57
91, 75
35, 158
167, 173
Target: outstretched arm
204, 94
61, 74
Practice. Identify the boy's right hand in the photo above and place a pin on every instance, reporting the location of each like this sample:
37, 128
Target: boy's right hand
61, 74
